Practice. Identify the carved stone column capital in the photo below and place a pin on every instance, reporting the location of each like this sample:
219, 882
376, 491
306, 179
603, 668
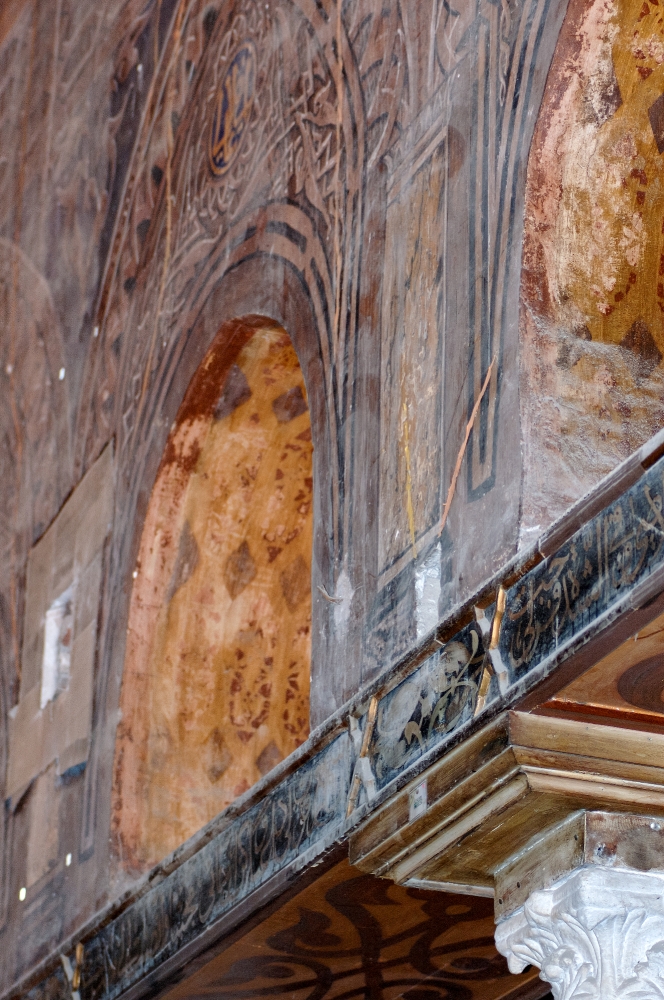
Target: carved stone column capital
597, 933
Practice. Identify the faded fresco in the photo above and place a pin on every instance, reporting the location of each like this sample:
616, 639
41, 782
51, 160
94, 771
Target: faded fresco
216, 688
592, 325
176, 175
69, 108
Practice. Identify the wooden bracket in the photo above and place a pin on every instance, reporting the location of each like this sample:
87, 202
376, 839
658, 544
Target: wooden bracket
518, 779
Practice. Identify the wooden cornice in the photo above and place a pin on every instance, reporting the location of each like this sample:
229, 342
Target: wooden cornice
493, 796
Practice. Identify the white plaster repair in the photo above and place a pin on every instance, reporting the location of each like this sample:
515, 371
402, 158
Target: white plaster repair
427, 592
56, 659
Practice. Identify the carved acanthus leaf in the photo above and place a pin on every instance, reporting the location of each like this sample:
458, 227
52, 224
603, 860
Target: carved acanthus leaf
596, 934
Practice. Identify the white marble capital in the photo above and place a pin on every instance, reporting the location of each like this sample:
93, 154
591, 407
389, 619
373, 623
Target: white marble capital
595, 934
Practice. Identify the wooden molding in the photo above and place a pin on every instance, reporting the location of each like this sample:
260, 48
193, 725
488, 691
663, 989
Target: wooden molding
517, 780
588, 739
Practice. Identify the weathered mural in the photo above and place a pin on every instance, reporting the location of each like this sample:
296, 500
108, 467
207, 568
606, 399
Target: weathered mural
216, 680
179, 174
593, 294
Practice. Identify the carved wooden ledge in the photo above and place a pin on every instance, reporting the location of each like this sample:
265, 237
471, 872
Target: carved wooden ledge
506, 787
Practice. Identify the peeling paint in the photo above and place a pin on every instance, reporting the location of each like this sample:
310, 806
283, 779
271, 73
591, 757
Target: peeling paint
592, 319
216, 683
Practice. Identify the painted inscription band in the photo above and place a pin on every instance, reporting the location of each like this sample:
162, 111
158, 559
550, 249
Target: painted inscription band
287, 822
599, 564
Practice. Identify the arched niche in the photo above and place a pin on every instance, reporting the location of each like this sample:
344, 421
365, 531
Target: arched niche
216, 680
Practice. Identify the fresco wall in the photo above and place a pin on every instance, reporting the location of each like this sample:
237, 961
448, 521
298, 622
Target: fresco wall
179, 175
69, 106
592, 325
216, 680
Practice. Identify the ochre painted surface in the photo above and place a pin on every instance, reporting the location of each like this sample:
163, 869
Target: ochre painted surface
592, 324
627, 684
349, 934
216, 688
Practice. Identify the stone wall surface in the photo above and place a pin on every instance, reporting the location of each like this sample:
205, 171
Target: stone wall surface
178, 174
66, 82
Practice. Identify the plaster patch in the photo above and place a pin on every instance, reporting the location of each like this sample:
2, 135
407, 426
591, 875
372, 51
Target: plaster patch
56, 660
427, 592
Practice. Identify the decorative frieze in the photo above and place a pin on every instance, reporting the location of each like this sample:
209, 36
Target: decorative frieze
435, 700
571, 589
293, 817
545, 612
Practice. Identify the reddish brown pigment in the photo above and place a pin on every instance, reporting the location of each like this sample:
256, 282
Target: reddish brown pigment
216, 688
592, 327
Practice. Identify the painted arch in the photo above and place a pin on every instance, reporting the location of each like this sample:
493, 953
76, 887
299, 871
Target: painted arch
352, 127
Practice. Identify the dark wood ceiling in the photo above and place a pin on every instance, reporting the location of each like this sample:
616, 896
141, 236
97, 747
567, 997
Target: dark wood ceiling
353, 935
